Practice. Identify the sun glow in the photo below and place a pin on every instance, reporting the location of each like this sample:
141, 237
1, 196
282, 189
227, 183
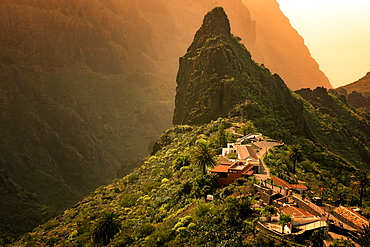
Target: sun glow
337, 34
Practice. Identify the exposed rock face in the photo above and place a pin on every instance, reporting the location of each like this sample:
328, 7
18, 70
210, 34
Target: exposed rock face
204, 91
217, 78
357, 94
217, 74
280, 48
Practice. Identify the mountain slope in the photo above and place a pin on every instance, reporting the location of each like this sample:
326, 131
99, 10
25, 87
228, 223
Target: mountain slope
361, 86
218, 74
217, 78
157, 204
87, 86
278, 46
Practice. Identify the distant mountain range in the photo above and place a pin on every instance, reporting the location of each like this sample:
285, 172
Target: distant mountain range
87, 86
360, 86
357, 93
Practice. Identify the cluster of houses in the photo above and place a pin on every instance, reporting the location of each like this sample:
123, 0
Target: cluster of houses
240, 160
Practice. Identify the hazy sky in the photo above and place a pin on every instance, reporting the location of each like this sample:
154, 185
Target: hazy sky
337, 33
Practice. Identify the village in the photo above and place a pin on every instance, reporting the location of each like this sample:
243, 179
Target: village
243, 159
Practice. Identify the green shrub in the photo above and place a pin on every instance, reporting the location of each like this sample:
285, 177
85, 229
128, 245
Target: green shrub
144, 230
181, 161
202, 210
51, 241
146, 188
129, 200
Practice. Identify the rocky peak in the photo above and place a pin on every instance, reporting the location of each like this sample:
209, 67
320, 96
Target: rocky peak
215, 23
203, 80
218, 78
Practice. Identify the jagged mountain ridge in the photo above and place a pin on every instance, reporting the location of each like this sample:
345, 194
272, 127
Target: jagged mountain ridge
218, 74
106, 67
217, 78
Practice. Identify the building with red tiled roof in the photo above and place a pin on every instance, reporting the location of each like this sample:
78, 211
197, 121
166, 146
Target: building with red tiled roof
294, 211
227, 174
281, 182
299, 187
354, 219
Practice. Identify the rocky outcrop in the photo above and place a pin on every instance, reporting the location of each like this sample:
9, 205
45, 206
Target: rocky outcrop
204, 90
87, 85
218, 78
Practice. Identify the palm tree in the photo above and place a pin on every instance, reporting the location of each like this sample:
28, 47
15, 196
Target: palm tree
203, 156
361, 183
295, 155
105, 229
361, 237
337, 195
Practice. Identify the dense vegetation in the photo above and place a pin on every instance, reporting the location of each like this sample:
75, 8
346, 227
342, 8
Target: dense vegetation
86, 87
163, 201
162, 204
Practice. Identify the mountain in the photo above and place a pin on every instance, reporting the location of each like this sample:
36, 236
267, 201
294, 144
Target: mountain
162, 203
278, 46
218, 78
218, 74
87, 86
360, 86
358, 92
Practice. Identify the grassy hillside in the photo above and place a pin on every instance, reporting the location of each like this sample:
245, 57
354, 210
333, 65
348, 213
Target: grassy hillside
161, 204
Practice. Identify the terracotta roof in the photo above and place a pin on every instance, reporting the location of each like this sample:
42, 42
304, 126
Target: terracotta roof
299, 186
281, 182
246, 151
352, 216
293, 211
221, 168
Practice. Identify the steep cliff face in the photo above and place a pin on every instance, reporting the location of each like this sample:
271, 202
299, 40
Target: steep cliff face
217, 74
217, 78
278, 46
